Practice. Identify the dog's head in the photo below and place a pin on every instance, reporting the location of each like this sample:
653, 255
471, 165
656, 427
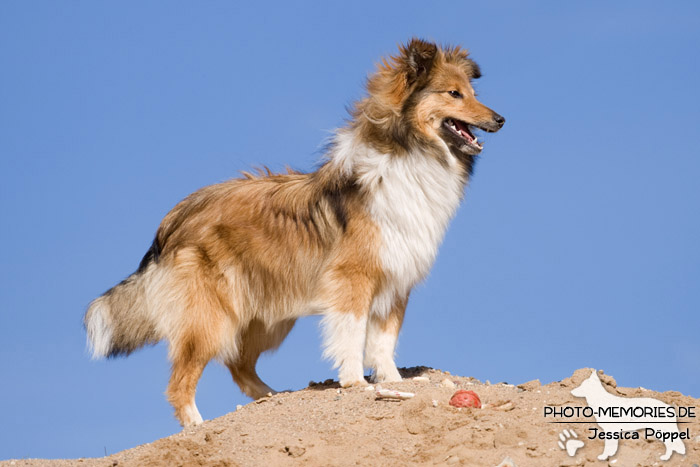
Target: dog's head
425, 94
588, 387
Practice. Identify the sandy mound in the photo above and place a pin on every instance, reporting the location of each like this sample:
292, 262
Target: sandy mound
324, 425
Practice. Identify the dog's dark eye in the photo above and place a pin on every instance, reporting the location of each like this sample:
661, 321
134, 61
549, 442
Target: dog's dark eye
455, 94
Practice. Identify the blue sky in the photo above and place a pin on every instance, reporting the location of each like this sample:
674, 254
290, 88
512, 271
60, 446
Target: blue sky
578, 243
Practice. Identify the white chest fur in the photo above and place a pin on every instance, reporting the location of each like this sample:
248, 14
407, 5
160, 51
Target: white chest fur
412, 205
412, 199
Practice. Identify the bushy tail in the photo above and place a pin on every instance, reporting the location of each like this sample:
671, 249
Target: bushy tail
118, 322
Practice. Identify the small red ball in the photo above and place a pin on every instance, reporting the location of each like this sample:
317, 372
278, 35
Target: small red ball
464, 398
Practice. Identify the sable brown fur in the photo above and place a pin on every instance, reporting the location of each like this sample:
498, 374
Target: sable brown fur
235, 264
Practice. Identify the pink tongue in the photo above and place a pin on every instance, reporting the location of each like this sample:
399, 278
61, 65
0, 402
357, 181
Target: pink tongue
463, 130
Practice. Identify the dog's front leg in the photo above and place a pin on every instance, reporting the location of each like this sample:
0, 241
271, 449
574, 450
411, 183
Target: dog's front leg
383, 329
609, 450
346, 302
344, 343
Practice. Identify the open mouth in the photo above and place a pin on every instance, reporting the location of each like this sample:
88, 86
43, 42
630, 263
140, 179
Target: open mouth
463, 131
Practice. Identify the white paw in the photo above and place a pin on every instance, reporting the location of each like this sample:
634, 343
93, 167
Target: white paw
568, 442
391, 376
191, 416
356, 383
351, 375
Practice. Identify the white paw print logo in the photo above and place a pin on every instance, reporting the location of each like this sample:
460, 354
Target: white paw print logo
569, 442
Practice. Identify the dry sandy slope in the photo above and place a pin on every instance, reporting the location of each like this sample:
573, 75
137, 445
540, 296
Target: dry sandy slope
324, 425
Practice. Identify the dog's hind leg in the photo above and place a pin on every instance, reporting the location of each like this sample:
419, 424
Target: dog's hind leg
671, 446
382, 334
256, 339
189, 359
196, 331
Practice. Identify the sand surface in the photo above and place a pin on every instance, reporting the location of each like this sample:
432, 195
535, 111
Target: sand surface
324, 425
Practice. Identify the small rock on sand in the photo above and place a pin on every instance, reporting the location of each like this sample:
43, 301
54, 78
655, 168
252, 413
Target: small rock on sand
447, 383
530, 385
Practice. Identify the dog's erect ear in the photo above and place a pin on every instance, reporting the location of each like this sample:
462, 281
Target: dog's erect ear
418, 56
396, 77
475, 69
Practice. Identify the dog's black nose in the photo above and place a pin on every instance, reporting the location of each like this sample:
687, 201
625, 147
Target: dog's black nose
499, 119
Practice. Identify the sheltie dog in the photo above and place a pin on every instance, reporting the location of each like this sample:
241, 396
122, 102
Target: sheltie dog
235, 264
